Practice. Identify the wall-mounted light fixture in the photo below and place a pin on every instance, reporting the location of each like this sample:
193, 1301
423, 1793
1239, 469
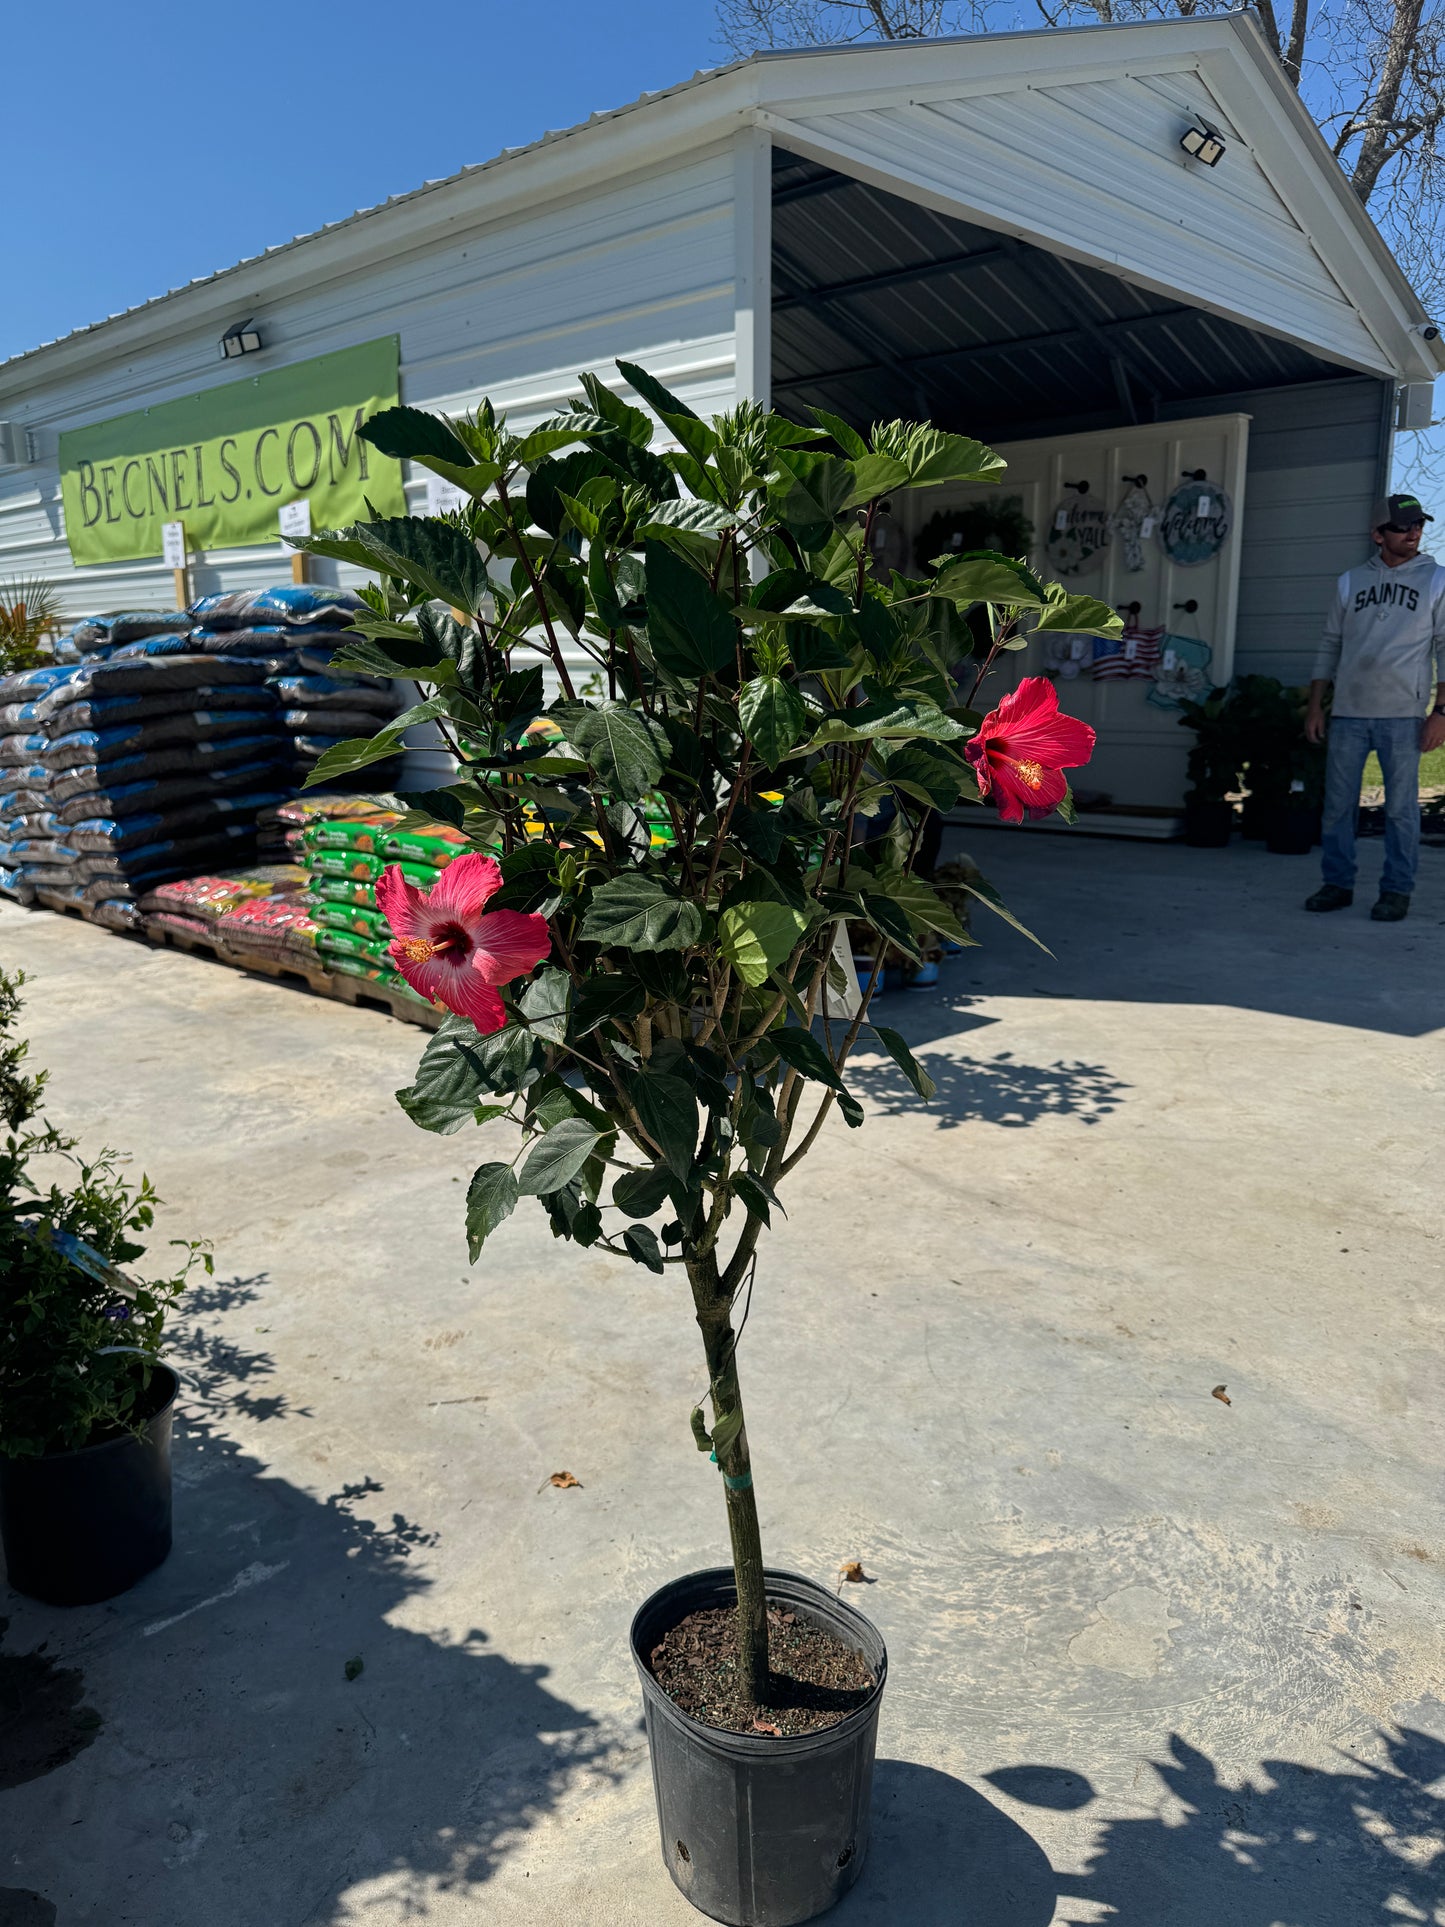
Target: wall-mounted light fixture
243, 339
1201, 143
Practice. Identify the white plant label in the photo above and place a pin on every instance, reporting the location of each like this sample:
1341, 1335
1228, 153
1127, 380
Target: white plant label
442, 496
295, 521
173, 544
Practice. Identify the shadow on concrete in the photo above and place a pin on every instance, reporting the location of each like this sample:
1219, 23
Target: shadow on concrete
1361, 1847
1001, 1089
1159, 923
271, 1718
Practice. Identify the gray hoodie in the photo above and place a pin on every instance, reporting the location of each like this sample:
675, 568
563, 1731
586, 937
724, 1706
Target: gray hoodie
1384, 640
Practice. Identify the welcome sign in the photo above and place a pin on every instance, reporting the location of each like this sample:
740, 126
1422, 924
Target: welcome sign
226, 461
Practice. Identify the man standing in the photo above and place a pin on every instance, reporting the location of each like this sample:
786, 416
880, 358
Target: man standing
1383, 648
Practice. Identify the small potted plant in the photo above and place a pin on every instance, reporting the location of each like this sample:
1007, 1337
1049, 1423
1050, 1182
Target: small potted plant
645, 959
1213, 770
85, 1403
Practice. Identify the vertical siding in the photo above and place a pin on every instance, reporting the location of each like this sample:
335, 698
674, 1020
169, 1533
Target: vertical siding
642, 269
1317, 459
1095, 168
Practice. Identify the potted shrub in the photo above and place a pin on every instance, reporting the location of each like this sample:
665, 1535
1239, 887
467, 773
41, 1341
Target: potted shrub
1213, 771
644, 959
85, 1403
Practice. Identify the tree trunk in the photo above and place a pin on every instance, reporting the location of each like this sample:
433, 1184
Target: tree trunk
719, 1342
1400, 40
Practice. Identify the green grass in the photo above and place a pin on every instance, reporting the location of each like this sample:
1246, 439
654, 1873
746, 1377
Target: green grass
1432, 771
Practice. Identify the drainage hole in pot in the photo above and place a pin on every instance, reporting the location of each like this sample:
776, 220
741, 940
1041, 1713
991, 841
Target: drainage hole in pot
846, 1855
683, 1854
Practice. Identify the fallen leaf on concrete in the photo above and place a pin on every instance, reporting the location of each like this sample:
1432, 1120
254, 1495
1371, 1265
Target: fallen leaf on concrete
354, 1668
852, 1570
1223, 1396
563, 1481
766, 1726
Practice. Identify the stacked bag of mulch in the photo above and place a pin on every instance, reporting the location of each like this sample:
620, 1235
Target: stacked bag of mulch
132, 768
296, 630
280, 832
194, 906
344, 858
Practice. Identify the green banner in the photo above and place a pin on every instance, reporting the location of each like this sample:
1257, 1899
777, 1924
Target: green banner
227, 460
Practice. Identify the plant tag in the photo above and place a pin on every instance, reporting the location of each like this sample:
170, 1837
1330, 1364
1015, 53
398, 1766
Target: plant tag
1204, 505
173, 544
295, 520
847, 1000
1146, 527
1061, 520
442, 496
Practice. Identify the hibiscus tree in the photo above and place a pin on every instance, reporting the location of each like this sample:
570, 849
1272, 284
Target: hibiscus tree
644, 961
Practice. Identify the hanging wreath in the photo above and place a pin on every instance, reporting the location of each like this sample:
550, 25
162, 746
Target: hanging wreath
1195, 522
1001, 526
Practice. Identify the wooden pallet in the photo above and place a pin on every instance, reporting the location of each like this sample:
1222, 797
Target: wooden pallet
341, 989
67, 907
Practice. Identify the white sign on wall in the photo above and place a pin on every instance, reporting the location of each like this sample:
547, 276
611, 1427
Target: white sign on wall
295, 520
173, 544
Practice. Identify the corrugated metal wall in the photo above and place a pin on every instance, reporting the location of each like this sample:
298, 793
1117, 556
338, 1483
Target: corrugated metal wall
1094, 167
1318, 456
642, 268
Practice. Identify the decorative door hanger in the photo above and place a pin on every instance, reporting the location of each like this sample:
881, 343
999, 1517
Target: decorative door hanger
1197, 518
1078, 532
1134, 521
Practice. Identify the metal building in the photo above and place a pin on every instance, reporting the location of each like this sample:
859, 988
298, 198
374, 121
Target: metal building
1009, 234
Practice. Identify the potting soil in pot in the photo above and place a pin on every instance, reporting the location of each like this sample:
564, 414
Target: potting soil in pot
815, 1679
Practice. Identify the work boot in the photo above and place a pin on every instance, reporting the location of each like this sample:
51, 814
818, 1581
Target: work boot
1331, 896
1393, 907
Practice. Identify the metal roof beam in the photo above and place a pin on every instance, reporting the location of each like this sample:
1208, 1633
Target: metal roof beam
896, 277
950, 358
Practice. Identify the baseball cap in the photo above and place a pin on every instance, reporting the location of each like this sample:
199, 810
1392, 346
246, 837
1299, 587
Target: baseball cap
1402, 509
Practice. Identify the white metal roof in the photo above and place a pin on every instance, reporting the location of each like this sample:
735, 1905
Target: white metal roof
799, 95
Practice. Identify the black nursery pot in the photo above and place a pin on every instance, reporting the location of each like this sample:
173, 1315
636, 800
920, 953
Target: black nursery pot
85, 1525
758, 1831
1207, 824
1293, 830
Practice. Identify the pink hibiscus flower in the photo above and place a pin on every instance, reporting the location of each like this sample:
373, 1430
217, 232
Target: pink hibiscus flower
446, 949
1022, 748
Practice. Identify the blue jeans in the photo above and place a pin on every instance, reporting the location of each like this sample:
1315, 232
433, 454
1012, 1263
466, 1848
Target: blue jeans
1396, 741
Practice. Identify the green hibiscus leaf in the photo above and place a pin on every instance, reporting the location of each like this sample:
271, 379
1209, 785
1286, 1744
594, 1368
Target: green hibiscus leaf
773, 716
558, 1157
757, 938
491, 1200
637, 911
689, 628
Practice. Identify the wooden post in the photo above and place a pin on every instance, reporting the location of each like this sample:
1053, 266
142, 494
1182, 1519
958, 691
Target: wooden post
299, 561
183, 588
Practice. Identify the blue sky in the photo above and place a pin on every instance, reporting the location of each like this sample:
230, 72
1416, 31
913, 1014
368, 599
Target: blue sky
162, 141
165, 141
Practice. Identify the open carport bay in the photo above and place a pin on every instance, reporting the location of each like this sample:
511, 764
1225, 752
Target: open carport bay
1155, 1658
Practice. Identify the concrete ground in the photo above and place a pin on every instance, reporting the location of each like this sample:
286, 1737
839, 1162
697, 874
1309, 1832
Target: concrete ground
1156, 1659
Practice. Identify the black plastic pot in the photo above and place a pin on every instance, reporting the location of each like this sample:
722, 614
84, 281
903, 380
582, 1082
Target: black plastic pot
757, 1831
1208, 825
81, 1526
1293, 830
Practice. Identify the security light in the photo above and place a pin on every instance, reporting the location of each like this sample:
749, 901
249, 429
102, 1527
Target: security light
243, 339
1201, 143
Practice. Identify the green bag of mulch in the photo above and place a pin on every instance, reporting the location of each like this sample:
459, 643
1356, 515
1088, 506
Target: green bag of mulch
347, 943
333, 834
355, 917
355, 864
436, 847
336, 890
374, 974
